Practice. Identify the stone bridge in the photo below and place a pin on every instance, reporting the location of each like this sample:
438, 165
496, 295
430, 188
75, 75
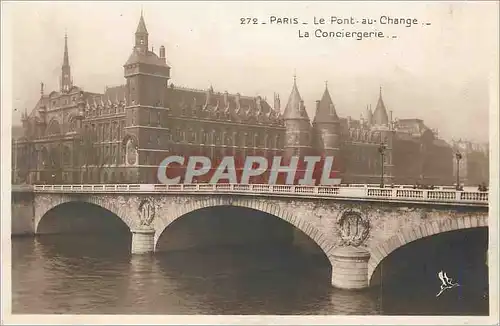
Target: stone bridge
356, 227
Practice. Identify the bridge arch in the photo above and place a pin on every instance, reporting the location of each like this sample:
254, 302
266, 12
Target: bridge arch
113, 206
411, 234
307, 228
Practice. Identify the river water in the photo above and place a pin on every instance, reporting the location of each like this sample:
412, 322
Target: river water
97, 275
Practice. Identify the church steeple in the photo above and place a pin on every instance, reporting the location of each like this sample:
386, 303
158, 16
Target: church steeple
141, 36
66, 81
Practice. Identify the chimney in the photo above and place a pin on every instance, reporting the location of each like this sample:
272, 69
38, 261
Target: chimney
277, 104
237, 100
162, 52
317, 105
226, 99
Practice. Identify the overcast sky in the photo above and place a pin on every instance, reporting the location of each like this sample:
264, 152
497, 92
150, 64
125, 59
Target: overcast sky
438, 73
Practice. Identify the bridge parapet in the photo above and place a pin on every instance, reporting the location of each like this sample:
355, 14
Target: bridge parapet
440, 196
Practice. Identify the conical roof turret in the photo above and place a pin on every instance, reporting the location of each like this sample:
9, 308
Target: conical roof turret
325, 112
295, 109
380, 114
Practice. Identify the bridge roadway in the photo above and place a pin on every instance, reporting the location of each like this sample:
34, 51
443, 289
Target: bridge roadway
356, 226
399, 193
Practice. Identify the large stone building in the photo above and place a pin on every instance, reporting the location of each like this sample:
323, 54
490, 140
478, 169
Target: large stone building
74, 136
473, 164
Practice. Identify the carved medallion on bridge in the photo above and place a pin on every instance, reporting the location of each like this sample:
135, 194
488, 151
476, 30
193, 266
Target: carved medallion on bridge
353, 228
147, 212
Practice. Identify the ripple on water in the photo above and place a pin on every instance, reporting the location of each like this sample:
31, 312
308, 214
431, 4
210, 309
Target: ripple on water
219, 281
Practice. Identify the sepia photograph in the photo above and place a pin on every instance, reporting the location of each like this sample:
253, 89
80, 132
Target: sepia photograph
332, 160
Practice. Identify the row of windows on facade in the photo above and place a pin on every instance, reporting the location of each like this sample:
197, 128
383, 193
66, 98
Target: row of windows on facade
63, 101
115, 154
104, 110
247, 116
228, 137
365, 136
107, 131
157, 118
114, 131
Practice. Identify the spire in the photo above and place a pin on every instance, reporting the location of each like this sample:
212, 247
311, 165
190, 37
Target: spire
141, 27
294, 108
380, 114
369, 115
66, 81
141, 36
325, 111
66, 56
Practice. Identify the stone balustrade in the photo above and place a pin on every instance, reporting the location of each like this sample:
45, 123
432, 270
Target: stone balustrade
438, 195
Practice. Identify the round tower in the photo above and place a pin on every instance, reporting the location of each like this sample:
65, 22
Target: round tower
326, 127
297, 125
326, 130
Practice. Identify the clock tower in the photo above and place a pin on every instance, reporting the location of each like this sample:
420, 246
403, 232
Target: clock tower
147, 75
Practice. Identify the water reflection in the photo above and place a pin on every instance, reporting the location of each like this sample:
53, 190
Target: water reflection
97, 275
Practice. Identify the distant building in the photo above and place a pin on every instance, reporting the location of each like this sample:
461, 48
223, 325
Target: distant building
74, 136
474, 165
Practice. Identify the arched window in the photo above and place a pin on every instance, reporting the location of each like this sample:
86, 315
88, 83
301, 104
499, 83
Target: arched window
244, 141
54, 128
177, 134
72, 124
216, 137
66, 155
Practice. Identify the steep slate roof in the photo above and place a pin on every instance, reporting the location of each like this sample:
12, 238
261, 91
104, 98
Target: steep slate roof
115, 94
141, 27
235, 105
380, 114
325, 113
294, 108
149, 58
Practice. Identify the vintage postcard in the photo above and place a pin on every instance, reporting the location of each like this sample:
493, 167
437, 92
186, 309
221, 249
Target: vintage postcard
250, 162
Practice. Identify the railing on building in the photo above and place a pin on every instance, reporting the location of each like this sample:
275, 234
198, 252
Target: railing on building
360, 192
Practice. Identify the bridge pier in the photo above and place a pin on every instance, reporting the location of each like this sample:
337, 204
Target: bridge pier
350, 268
143, 241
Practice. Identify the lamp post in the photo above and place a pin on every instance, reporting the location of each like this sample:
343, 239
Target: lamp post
381, 150
458, 156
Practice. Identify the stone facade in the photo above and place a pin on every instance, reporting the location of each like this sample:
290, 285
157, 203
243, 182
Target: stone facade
374, 229
474, 166
122, 135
